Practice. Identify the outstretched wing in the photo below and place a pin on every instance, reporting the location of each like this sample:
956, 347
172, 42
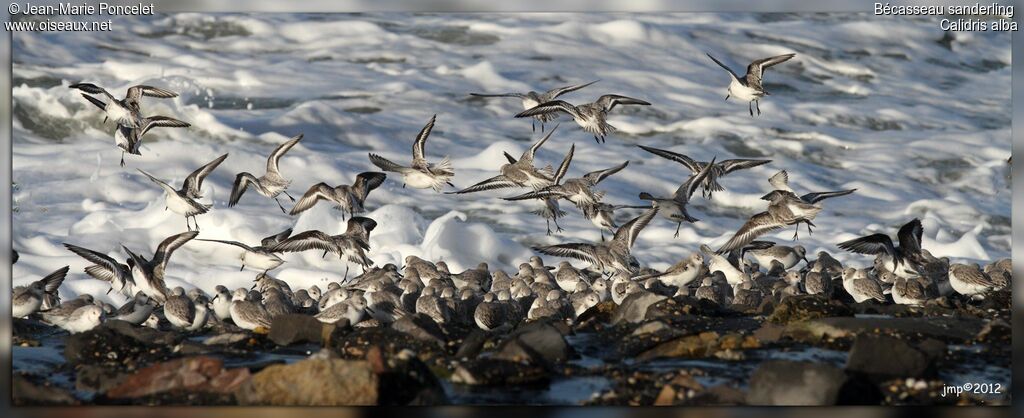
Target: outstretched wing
242, 182
609, 101
690, 163
136, 92
564, 166
551, 107
493, 183
419, 145
910, 237
103, 268
366, 182
529, 154
53, 280
628, 232
235, 243
315, 193
160, 122
194, 182
755, 71
871, 244
595, 177
731, 72
759, 224
518, 95
691, 184
819, 196
308, 240
780, 181
275, 157
735, 164
579, 251
554, 93
167, 187
385, 164
167, 247
544, 193
274, 239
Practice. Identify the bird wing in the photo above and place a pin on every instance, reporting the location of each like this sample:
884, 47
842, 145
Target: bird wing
564, 166
731, 72
780, 181
167, 187
819, 196
275, 157
493, 183
136, 92
194, 182
628, 232
315, 193
419, 145
274, 239
609, 101
551, 107
869, 287
385, 164
579, 251
103, 268
90, 88
909, 236
544, 193
242, 181
595, 177
554, 93
235, 243
53, 280
518, 95
528, 155
685, 190
151, 122
690, 163
729, 166
871, 244
308, 240
99, 103
755, 70
759, 224
167, 247
366, 182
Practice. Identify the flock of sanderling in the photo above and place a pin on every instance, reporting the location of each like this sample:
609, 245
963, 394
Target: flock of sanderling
743, 271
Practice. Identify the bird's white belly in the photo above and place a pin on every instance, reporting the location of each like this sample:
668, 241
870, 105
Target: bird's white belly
742, 92
222, 309
120, 115
419, 180
765, 260
23, 310
261, 261
178, 205
670, 210
680, 278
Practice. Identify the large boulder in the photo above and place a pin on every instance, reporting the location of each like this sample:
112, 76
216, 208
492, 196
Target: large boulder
420, 327
291, 328
191, 374
795, 383
26, 393
804, 307
497, 372
119, 345
880, 358
405, 380
314, 382
539, 343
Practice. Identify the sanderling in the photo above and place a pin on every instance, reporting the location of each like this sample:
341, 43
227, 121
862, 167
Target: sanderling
246, 313
709, 291
431, 305
222, 303
149, 274
127, 111
684, 272
80, 319
518, 173
276, 302
259, 257
786, 255
179, 202
780, 181
674, 208
350, 246
590, 116
720, 169
181, 311
579, 191
107, 269
26, 300
421, 174
136, 310
861, 286
587, 301
749, 86
532, 98
908, 291
129, 139
567, 276
271, 183
346, 198
383, 302
353, 309
785, 209
614, 254
490, 314
818, 283
745, 294
716, 262
969, 279
905, 260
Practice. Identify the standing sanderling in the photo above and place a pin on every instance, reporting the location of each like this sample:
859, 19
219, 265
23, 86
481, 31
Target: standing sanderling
26, 300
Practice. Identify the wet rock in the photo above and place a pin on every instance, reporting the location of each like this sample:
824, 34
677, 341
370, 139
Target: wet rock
472, 345
600, 313
290, 329
356, 343
783, 382
677, 390
672, 309
653, 327
997, 301
226, 338
880, 358
699, 345
319, 382
26, 393
191, 374
634, 307
420, 327
804, 307
497, 372
943, 328
405, 380
720, 395
539, 343
995, 331
119, 345
96, 379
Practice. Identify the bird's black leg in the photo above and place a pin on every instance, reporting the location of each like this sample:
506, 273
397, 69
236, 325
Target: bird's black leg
750, 107
548, 221
557, 227
122, 158
195, 221
727, 97
325, 255
757, 103
602, 235
678, 225
542, 127
796, 234
280, 205
241, 268
597, 140
346, 273
187, 224
534, 125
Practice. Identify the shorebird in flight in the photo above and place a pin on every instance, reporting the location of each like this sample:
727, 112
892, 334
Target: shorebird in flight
259, 257
748, 87
346, 198
518, 173
531, 99
719, 170
579, 191
148, 275
270, 184
612, 255
107, 269
592, 117
183, 201
906, 260
349, 246
674, 208
420, 175
126, 112
129, 139
785, 209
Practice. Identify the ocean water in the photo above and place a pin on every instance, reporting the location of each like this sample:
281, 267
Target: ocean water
918, 123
